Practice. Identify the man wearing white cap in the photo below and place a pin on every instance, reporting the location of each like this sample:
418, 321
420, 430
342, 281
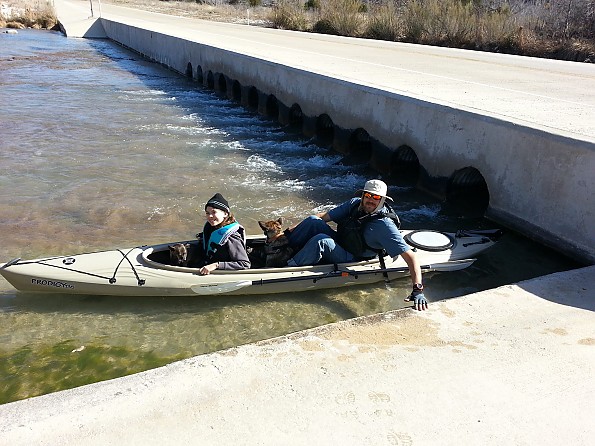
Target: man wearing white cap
364, 227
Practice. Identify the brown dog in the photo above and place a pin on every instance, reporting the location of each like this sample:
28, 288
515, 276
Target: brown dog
179, 254
276, 247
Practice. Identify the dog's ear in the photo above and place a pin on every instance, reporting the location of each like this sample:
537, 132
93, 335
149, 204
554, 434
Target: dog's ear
171, 248
280, 220
261, 224
187, 245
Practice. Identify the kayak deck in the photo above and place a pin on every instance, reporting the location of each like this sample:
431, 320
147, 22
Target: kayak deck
144, 271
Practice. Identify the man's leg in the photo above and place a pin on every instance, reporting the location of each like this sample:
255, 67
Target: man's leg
308, 228
319, 248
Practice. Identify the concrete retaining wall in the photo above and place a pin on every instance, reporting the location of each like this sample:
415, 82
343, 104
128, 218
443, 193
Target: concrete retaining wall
539, 183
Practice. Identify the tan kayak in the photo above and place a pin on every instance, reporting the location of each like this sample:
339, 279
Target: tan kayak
143, 270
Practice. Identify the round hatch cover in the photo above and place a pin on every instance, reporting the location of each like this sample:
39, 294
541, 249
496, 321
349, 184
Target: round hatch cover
429, 240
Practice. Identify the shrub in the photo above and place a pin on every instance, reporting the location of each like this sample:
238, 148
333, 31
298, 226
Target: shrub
498, 29
342, 17
561, 30
312, 4
384, 23
560, 19
324, 26
439, 21
40, 16
289, 14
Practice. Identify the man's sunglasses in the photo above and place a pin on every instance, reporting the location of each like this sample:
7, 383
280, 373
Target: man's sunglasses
369, 195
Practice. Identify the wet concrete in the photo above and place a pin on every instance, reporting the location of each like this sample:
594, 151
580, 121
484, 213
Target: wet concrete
512, 365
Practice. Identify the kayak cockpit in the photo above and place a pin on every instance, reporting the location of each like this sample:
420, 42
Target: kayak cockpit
158, 256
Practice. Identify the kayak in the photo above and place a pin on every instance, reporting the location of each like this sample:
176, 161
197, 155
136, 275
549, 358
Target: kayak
145, 270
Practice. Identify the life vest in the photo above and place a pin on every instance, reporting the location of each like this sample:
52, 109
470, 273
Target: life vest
350, 231
218, 238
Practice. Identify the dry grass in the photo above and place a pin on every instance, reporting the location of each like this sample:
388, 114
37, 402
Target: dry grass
28, 14
289, 14
384, 23
340, 17
219, 11
564, 29
438, 21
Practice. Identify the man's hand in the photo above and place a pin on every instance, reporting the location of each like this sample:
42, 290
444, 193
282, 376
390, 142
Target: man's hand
419, 300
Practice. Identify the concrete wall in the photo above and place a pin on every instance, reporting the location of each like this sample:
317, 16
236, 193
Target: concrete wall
539, 183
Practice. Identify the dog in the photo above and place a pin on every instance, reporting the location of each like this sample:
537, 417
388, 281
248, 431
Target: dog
180, 254
276, 246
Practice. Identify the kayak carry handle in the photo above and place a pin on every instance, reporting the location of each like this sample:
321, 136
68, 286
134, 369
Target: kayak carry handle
10, 263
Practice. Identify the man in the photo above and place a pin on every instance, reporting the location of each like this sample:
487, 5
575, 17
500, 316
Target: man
364, 227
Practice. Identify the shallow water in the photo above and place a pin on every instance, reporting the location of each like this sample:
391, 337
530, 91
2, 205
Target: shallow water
102, 149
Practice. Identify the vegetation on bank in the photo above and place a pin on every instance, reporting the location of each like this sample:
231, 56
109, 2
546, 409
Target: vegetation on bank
562, 29
23, 14
556, 29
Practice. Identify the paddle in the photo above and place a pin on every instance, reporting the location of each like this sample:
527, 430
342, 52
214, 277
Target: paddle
227, 287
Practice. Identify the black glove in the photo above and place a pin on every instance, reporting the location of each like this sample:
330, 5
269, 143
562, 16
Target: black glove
419, 300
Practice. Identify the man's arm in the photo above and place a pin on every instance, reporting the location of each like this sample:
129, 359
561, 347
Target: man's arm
414, 269
417, 296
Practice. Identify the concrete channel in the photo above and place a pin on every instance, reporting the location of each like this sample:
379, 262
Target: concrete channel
513, 365
514, 133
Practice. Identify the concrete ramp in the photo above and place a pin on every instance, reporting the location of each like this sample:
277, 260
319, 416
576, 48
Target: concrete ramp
90, 28
78, 19
509, 366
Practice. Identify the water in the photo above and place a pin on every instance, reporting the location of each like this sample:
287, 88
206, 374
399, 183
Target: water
101, 149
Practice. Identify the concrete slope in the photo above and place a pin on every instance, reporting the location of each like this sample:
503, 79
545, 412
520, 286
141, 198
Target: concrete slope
514, 365
77, 19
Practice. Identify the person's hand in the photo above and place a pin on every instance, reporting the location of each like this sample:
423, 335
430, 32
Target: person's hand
208, 268
419, 300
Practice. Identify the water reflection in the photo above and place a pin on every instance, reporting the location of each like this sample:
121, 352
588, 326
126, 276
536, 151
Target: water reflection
168, 325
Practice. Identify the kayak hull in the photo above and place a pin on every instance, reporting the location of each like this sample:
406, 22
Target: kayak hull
142, 271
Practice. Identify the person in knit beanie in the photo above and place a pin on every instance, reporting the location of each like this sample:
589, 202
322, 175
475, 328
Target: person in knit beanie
222, 242
218, 202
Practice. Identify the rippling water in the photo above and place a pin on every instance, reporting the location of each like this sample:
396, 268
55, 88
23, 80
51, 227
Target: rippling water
102, 149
